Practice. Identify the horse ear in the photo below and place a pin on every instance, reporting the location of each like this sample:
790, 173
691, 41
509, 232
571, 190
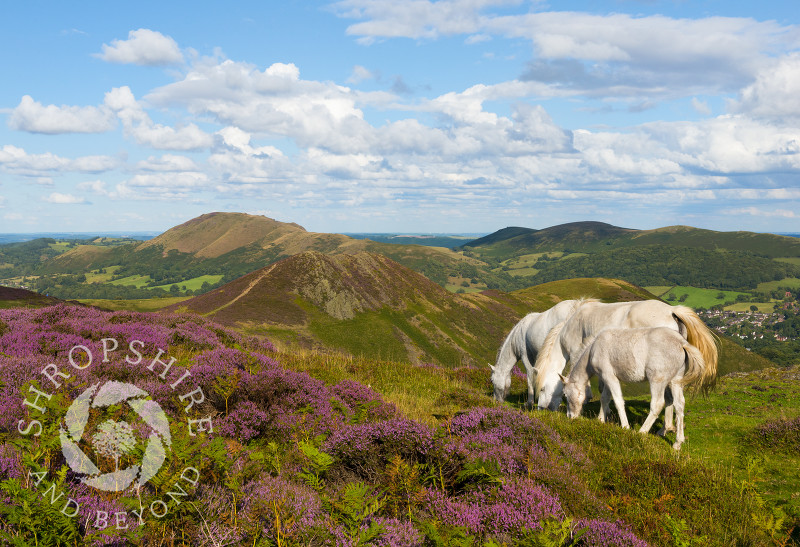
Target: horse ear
563, 378
491, 367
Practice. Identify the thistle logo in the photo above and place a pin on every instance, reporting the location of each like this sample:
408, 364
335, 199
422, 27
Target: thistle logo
114, 439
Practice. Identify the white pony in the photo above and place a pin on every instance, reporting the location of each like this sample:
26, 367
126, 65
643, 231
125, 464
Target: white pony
523, 343
659, 355
566, 341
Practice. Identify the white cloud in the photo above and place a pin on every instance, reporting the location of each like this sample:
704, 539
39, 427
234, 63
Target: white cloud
17, 161
701, 107
63, 199
137, 124
755, 211
143, 47
32, 116
167, 162
614, 54
360, 74
274, 102
775, 91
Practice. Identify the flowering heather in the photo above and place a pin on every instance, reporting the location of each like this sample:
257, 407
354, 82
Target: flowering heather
782, 434
275, 504
10, 466
599, 533
245, 423
367, 448
97, 516
397, 534
496, 512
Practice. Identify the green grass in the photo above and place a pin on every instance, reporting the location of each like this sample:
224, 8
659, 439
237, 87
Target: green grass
146, 304
791, 282
717, 490
195, 283
137, 281
716, 427
700, 298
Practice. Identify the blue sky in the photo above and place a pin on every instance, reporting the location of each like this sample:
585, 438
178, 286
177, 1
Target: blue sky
401, 116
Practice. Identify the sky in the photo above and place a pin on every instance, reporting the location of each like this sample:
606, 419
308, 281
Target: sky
414, 116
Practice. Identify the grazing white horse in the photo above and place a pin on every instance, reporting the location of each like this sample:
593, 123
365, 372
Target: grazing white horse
659, 355
523, 343
566, 341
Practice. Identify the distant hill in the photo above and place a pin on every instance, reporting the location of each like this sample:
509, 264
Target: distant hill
216, 248
597, 236
227, 246
363, 303
11, 297
674, 255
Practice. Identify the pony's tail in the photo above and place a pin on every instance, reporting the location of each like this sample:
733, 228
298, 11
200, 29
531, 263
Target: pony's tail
542, 366
705, 341
695, 374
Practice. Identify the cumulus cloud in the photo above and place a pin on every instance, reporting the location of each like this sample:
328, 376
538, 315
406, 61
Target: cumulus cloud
755, 211
34, 117
63, 199
138, 124
16, 160
775, 91
143, 47
275, 101
614, 54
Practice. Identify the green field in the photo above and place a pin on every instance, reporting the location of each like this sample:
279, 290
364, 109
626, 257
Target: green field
137, 281
193, 284
697, 298
146, 304
791, 282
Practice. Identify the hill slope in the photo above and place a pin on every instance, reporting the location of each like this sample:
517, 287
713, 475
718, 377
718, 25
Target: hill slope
368, 305
598, 236
675, 255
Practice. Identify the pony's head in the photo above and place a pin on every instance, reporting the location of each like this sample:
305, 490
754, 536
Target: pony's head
501, 383
550, 391
574, 396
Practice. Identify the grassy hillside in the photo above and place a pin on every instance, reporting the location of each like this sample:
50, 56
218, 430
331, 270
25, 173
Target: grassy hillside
14, 298
676, 255
321, 449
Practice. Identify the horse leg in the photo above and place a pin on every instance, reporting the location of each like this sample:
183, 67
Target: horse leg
668, 412
656, 406
616, 392
680, 404
605, 407
530, 373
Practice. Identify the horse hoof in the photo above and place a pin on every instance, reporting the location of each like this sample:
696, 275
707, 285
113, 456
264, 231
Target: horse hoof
677, 445
661, 432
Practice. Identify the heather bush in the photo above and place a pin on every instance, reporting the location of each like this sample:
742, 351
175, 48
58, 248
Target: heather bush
599, 533
782, 435
366, 449
495, 512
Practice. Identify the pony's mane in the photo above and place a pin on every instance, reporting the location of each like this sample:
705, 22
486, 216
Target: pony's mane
543, 361
508, 342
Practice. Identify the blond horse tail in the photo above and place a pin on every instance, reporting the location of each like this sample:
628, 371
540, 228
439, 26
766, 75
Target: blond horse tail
543, 364
694, 377
705, 341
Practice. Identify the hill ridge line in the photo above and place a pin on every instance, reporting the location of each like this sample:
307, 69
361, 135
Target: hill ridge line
249, 288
